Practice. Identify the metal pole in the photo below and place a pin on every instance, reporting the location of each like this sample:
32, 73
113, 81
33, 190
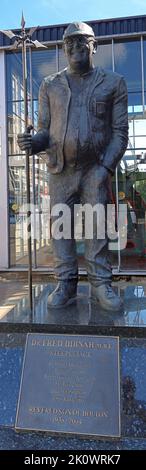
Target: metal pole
27, 129
33, 163
25, 39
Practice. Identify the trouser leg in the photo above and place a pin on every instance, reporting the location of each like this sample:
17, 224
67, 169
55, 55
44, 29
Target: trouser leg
96, 248
63, 190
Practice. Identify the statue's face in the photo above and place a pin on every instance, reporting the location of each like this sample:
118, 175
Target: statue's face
79, 50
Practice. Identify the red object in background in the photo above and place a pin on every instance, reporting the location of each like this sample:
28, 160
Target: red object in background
46, 191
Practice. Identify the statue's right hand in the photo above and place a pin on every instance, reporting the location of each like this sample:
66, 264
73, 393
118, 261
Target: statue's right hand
25, 141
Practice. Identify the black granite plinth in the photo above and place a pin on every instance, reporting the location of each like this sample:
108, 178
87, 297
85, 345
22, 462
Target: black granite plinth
83, 317
10, 440
133, 391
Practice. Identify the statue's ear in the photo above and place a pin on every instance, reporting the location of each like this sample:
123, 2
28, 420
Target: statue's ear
95, 46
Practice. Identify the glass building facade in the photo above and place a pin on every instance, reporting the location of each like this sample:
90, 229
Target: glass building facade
125, 54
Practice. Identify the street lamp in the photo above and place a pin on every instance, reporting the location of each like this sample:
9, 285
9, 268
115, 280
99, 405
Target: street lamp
24, 40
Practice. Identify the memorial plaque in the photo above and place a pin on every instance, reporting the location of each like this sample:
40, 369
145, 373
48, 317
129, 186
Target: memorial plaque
70, 384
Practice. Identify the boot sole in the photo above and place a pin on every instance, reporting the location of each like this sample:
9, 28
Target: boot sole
57, 307
107, 308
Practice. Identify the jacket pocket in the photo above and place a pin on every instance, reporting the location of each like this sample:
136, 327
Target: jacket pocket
97, 108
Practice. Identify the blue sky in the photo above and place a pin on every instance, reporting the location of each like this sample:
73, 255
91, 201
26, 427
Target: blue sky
45, 12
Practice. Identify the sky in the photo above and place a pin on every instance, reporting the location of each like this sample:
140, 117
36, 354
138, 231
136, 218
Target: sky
47, 12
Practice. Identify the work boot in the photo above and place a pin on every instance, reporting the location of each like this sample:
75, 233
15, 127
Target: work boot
106, 297
63, 295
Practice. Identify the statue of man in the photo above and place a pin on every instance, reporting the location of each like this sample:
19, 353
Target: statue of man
83, 128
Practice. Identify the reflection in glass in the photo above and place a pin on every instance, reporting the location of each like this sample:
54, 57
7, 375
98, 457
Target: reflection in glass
17, 217
62, 61
35, 114
127, 58
131, 171
43, 65
132, 191
16, 124
0, 142
14, 75
137, 133
144, 54
135, 103
103, 56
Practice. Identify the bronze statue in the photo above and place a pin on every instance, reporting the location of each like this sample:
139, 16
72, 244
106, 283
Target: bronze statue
83, 128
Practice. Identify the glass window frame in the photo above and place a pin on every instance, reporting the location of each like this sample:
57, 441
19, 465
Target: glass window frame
112, 42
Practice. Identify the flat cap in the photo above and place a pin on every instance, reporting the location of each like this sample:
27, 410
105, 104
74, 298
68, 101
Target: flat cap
78, 28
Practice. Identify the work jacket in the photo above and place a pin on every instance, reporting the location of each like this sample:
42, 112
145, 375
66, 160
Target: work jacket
106, 106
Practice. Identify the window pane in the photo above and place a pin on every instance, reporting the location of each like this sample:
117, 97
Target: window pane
16, 124
43, 64
17, 219
103, 56
140, 126
127, 56
132, 191
0, 142
144, 52
15, 76
140, 142
62, 59
35, 114
135, 103
137, 133
132, 179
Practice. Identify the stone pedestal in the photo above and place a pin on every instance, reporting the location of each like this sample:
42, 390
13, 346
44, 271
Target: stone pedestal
83, 317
